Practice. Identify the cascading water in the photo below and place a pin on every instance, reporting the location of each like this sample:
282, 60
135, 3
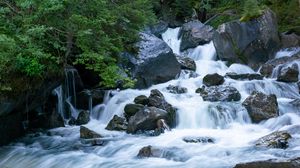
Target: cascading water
231, 127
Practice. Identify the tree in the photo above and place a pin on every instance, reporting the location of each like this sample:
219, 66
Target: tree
39, 37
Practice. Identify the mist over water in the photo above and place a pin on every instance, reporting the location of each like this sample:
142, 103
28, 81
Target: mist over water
232, 129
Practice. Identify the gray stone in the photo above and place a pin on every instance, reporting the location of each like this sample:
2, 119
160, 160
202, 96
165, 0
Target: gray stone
117, 123
278, 139
252, 43
86, 133
213, 80
261, 107
219, 93
194, 33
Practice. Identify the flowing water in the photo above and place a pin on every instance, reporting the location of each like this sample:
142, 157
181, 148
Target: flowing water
232, 129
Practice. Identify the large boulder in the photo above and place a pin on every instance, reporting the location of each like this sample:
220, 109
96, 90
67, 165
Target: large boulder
261, 107
131, 109
156, 62
219, 93
213, 80
157, 99
288, 74
278, 139
172, 153
290, 40
117, 123
158, 29
291, 163
83, 117
146, 119
194, 33
86, 133
269, 66
252, 43
142, 99
246, 76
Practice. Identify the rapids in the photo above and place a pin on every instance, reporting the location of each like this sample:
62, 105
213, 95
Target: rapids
233, 131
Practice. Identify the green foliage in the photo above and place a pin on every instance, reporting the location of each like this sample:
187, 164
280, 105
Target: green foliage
251, 10
39, 37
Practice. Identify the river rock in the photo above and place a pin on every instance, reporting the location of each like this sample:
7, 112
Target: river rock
186, 63
288, 74
269, 66
291, 163
117, 123
131, 109
198, 140
289, 40
172, 153
83, 118
194, 33
213, 80
86, 133
176, 89
246, 76
157, 99
159, 28
142, 99
278, 139
219, 93
261, 107
156, 62
146, 119
252, 43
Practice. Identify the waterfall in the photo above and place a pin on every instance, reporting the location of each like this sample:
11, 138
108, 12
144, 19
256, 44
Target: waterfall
69, 86
227, 123
60, 100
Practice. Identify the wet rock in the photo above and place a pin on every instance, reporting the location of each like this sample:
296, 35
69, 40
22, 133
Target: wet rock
278, 139
173, 153
83, 118
290, 40
186, 63
219, 93
176, 89
198, 140
247, 76
142, 99
288, 74
93, 142
267, 69
156, 62
213, 80
194, 33
252, 43
117, 123
291, 163
72, 121
159, 28
96, 95
261, 107
146, 119
131, 109
157, 99
86, 133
